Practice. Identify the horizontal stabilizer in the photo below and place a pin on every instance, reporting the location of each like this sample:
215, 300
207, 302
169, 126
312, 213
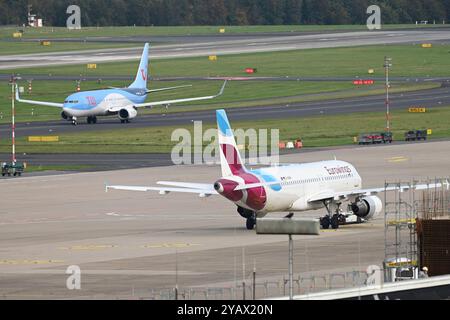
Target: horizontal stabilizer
257, 185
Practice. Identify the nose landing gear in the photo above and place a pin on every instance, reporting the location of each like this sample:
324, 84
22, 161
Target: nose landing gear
74, 121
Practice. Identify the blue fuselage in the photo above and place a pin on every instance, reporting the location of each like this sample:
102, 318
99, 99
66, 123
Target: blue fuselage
99, 102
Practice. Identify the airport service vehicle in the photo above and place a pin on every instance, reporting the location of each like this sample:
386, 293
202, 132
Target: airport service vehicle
121, 102
416, 135
375, 138
282, 188
388, 137
13, 169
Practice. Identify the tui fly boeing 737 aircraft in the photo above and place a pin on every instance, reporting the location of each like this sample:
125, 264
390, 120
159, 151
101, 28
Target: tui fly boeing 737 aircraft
121, 102
288, 188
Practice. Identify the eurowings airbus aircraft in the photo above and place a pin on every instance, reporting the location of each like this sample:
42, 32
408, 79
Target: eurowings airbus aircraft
289, 188
121, 102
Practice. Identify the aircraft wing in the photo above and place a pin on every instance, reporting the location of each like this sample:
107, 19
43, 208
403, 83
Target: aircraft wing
203, 190
39, 103
158, 90
330, 195
168, 102
168, 89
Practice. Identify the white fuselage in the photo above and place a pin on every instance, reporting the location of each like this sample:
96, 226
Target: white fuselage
302, 182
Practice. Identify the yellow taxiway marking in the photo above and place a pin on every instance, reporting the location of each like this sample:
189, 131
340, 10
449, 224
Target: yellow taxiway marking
30, 262
397, 159
170, 245
91, 247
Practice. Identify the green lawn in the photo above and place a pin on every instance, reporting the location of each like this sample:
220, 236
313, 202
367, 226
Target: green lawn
51, 33
237, 94
408, 60
312, 130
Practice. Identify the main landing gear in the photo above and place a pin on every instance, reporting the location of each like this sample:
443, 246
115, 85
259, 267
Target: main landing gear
250, 217
251, 223
92, 120
124, 121
334, 217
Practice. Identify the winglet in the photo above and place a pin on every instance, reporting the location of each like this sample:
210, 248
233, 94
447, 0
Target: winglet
222, 90
17, 92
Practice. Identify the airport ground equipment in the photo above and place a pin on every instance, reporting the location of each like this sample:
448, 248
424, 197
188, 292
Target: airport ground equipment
13, 169
375, 138
416, 135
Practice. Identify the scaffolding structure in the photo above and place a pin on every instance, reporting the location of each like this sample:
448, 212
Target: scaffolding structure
401, 251
407, 210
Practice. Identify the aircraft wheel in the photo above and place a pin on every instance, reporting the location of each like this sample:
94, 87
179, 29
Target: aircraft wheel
94, 120
335, 222
325, 223
251, 222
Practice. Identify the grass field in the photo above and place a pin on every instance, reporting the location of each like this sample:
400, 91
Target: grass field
408, 60
51, 33
316, 131
237, 94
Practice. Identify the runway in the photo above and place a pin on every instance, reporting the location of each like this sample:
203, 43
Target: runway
218, 46
133, 245
426, 98
46, 77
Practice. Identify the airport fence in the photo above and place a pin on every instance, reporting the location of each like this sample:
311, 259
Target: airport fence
262, 289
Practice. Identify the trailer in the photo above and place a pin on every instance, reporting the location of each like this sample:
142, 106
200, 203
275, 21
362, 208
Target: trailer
375, 138
416, 135
13, 169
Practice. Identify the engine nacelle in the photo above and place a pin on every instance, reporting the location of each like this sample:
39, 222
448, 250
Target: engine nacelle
368, 207
127, 114
64, 115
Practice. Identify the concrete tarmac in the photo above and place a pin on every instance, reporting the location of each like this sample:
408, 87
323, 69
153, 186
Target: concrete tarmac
131, 245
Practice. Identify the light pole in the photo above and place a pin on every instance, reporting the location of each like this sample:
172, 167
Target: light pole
290, 227
13, 122
387, 67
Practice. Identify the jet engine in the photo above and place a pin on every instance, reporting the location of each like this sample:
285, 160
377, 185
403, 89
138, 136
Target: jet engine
65, 116
127, 114
368, 207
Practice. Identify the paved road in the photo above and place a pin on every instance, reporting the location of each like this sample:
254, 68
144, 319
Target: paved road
46, 77
216, 45
427, 98
128, 244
